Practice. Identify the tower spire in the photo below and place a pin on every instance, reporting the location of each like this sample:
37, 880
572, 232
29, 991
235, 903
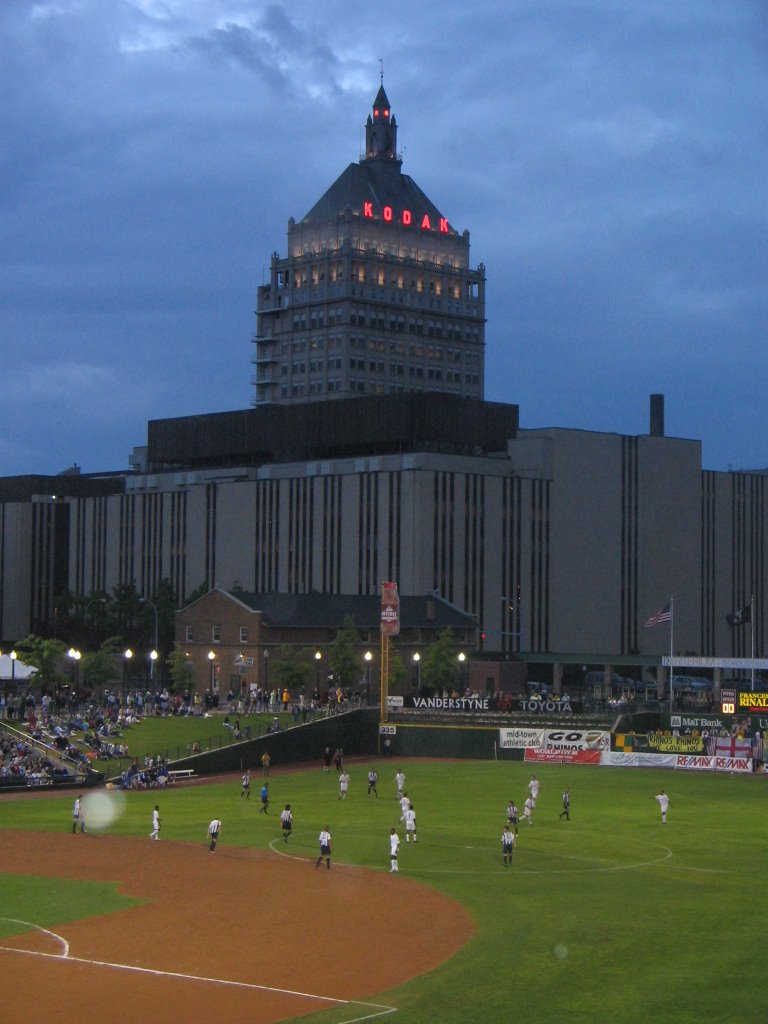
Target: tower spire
381, 127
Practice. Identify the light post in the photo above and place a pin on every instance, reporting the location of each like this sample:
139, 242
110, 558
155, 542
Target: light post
462, 658
212, 660
127, 655
75, 655
266, 668
417, 670
152, 660
368, 658
318, 659
153, 655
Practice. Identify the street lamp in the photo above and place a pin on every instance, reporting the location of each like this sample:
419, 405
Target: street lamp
152, 660
417, 667
462, 658
127, 655
368, 658
153, 655
266, 668
75, 656
212, 660
318, 659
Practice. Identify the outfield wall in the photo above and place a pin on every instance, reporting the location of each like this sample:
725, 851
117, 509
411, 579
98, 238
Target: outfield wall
355, 732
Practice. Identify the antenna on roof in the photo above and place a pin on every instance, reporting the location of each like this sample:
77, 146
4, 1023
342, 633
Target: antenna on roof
381, 72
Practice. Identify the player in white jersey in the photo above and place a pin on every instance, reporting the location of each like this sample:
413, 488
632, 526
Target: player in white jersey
410, 825
400, 783
394, 846
528, 807
533, 789
664, 802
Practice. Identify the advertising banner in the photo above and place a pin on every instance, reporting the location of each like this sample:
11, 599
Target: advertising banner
549, 705
733, 764
576, 739
640, 759
519, 739
462, 704
695, 762
685, 723
561, 756
390, 609
752, 702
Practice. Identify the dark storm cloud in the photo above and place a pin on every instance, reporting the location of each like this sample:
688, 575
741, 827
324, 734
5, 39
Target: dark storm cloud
608, 157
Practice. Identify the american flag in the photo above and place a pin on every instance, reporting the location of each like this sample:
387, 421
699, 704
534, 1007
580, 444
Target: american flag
664, 615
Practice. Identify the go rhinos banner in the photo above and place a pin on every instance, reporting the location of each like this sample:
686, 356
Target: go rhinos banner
571, 746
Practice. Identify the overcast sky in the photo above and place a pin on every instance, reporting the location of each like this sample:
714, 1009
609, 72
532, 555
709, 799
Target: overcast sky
607, 156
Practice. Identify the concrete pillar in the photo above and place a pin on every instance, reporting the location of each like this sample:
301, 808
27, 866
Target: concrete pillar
557, 678
660, 677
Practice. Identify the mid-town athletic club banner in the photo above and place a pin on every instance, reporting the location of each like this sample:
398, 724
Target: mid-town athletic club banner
519, 739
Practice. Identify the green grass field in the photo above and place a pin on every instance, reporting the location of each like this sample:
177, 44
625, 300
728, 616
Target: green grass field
609, 917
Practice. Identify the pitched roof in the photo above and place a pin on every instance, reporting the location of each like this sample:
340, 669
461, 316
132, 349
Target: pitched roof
329, 611
378, 181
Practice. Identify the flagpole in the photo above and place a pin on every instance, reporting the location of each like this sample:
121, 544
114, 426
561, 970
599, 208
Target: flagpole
671, 654
752, 641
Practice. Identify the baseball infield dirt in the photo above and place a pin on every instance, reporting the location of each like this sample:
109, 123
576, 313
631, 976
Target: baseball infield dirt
240, 936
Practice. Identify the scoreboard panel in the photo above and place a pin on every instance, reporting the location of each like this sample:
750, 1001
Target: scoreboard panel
728, 701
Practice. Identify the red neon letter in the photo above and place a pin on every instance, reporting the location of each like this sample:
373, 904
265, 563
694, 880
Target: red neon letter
367, 209
387, 213
425, 225
406, 217
444, 225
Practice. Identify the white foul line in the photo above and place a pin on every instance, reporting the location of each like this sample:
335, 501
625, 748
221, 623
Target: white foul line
29, 924
380, 1008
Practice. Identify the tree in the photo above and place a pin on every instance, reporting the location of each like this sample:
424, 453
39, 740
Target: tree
46, 655
439, 669
182, 677
344, 658
100, 668
397, 673
291, 667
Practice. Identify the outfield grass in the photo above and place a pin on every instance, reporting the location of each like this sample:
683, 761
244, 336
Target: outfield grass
609, 917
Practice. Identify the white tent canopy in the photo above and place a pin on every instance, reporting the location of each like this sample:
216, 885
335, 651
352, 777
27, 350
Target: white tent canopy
9, 670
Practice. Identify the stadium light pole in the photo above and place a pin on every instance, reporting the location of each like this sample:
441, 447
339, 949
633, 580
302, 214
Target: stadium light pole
127, 655
417, 666
153, 655
212, 660
318, 659
368, 658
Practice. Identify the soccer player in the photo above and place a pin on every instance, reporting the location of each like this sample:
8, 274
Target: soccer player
410, 825
213, 831
373, 781
566, 811
343, 785
512, 815
394, 846
528, 807
533, 789
264, 794
405, 803
246, 790
155, 833
286, 822
507, 845
325, 848
78, 817
664, 803
400, 782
